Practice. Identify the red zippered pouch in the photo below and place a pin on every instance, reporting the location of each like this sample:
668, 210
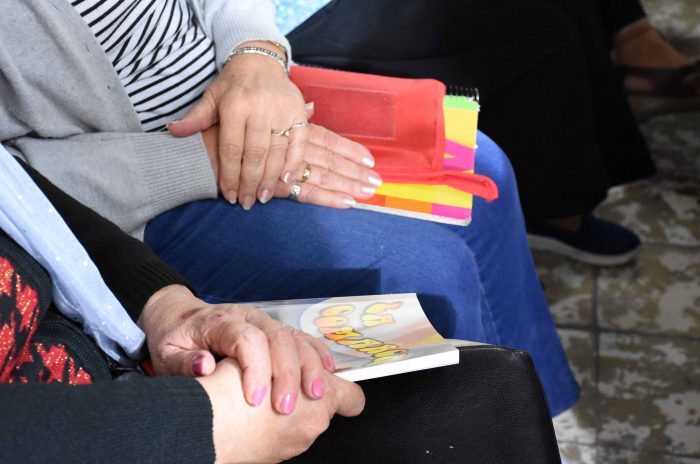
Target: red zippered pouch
401, 122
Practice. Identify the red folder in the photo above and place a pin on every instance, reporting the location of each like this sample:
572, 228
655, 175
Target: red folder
401, 122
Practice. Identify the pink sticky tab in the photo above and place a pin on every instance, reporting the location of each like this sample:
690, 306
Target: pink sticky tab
462, 157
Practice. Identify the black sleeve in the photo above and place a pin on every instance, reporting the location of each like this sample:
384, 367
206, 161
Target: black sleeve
168, 419
129, 268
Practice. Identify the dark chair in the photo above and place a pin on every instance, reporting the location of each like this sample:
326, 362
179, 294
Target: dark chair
488, 409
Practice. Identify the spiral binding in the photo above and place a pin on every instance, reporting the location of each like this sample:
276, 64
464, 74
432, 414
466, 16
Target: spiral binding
463, 91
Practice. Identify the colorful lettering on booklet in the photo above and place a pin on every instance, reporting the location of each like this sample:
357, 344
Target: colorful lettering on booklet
333, 324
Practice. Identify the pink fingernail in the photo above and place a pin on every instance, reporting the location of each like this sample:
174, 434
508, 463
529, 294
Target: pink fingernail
198, 366
349, 201
287, 175
309, 106
367, 161
318, 388
330, 363
259, 395
289, 402
369, 190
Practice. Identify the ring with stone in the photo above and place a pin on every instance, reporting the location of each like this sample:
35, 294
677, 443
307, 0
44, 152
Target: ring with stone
280, 132
296, 125
294, 193
306, 174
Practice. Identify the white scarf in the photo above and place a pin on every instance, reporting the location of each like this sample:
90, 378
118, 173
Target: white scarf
79, 292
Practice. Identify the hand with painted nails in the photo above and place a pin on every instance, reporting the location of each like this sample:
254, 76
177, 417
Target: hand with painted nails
251, 100
336, 171
184, 334
245, 434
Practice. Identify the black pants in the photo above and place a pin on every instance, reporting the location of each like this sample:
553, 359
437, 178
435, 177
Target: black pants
550, 96
616, 14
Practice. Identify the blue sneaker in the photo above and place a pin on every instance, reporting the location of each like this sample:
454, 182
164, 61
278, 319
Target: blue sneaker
597, 242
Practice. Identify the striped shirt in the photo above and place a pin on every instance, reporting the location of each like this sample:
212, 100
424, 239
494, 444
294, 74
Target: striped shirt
163, 58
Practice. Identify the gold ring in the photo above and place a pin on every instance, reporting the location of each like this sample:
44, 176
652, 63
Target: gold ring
294, 193
306, 174
280, 133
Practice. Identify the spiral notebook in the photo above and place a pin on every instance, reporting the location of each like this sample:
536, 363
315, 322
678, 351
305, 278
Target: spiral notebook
423, 141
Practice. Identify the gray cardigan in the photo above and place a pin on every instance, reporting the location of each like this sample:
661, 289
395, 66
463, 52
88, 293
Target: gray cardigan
63, 110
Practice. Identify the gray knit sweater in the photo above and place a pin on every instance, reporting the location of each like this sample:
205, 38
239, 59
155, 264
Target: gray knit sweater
63, 109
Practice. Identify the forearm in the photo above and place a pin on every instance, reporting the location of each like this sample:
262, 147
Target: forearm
127, 177
167, 419
130, 269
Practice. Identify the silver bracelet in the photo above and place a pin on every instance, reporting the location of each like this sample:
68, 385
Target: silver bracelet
258, 51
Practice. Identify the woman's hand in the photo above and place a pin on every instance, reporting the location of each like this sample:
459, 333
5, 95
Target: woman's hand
243, 434
183, 333
339, 171
251, 97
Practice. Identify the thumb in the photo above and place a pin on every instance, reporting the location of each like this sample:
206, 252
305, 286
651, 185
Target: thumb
349, 398
202, 116
188, 363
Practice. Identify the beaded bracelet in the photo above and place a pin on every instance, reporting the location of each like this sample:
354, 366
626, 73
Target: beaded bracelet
259, 51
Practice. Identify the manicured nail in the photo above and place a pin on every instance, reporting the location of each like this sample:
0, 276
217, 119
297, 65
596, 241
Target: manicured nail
309, 106
198, 366
317, 388
289, 402
330, 363
259, 395
374, 180
265, 196
367, 161
349, 201
369, 190
287, 175
247, 202
232, 197
173, 122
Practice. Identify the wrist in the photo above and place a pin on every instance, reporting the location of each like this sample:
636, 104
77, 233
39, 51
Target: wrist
170, 297
260, 50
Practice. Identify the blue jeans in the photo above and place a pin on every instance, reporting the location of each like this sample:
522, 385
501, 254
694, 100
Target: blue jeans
475, 283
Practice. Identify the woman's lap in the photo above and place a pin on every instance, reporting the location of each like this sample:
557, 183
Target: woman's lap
475, 283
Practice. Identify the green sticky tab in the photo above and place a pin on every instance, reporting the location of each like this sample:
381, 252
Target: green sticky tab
460, 102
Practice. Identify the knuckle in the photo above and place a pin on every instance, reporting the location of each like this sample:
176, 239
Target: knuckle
316, 426
326, 179
254, 155
309, 195
231, 151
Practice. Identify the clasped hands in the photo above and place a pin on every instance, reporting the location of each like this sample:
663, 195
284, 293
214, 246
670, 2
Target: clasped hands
250, 99
259, 413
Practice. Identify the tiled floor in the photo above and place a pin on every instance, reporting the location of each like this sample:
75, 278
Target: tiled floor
633, 332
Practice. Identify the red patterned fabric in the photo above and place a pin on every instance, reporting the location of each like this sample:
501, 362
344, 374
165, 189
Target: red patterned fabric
21, 359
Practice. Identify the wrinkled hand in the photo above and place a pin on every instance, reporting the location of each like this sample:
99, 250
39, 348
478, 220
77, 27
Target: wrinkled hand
251, 97
183, 332
243, 434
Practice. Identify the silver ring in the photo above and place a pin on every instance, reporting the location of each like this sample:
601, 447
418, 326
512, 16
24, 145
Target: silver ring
296, 125
294, 193
280, 133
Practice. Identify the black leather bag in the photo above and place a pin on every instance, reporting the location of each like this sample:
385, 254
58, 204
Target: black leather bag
488, 409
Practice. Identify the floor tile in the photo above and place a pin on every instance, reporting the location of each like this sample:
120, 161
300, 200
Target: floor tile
579, 424
572, 453
569, 288
660, 212
649, 394
673, 140
620, 456
659, 294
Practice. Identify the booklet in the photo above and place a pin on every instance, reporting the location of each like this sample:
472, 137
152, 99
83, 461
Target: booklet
369, 336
